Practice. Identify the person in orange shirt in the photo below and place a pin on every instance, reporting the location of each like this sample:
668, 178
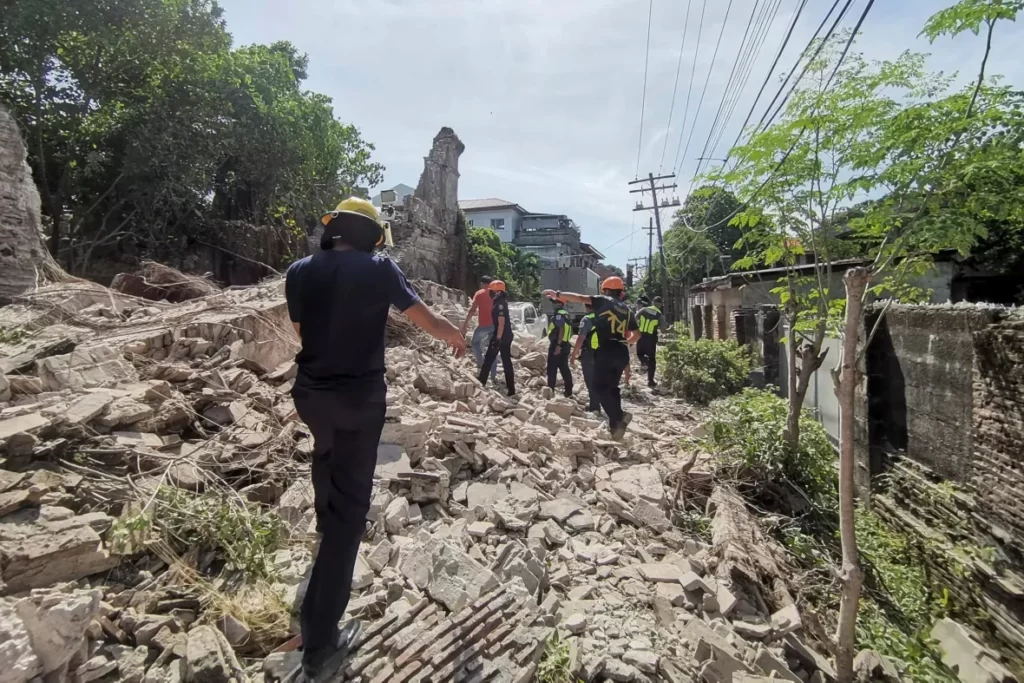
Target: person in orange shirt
484, 325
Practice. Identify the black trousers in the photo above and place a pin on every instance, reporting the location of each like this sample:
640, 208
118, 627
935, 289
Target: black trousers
587, 365
647, 353
560, 363
503, 347
609, 364
346, 430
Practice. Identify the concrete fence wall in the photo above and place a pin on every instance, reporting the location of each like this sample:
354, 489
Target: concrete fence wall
940, 449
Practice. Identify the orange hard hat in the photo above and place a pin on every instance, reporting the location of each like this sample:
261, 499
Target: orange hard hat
613, 282
496, 286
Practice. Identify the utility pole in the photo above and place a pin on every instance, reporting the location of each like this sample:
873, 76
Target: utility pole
650, 244
638, 269
652, 181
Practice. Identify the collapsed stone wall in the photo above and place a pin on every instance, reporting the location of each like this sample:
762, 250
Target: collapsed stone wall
941, 416
24, 260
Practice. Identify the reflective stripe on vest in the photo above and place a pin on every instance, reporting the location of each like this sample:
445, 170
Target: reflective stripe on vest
648, 325
566, 329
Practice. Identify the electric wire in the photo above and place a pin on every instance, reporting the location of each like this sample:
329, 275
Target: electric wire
746, 70
730, 82
643, 98
689, 89
807, 64
675, 88
785, 157
700, 102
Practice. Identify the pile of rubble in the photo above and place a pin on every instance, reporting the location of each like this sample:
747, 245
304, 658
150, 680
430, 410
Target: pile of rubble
495, 522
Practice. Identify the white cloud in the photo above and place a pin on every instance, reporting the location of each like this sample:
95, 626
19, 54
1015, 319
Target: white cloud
546, 95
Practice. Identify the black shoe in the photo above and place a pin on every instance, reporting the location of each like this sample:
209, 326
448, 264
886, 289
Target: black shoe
652, 384
619, 430
322, 665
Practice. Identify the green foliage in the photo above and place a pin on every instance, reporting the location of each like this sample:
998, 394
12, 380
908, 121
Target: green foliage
748, 430
246, 535
900, 624
709, 211
12, 335
554, 664
970, 15
145, 126
703, 370
518, 268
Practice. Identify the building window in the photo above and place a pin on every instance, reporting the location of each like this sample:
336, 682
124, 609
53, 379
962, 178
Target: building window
498, 223
469, 222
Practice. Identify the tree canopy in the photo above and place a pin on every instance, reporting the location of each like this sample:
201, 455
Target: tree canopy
145, 126
518, 268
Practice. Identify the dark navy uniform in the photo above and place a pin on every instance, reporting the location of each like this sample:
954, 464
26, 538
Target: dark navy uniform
612, 320
340, 300
559, 348
649, 320
503, 346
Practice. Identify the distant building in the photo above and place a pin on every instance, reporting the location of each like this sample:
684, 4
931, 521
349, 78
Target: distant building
567, 263
500, 215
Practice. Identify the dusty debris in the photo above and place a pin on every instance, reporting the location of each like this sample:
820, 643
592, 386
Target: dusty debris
494, 521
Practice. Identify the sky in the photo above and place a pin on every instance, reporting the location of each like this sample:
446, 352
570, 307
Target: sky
546, 95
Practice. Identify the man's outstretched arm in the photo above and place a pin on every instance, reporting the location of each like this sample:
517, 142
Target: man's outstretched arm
436, 326
570, 297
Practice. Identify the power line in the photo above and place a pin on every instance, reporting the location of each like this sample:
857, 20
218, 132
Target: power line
778, 55
807, 64
778, 166
689, 89
700, 102
768, 76
747, 69
675, 88
643, 98
731, 87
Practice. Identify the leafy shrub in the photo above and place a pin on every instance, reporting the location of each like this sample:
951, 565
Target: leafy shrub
748, 428
703, 370
246, 535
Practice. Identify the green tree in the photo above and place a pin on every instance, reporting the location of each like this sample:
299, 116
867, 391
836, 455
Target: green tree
145, 126
860, 129
710, 210
518, 268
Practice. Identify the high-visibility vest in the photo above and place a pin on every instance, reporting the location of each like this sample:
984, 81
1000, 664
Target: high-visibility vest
592, 334
649, 325
566, 329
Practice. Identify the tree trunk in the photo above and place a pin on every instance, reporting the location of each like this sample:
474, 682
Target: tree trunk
857, 280
792, 434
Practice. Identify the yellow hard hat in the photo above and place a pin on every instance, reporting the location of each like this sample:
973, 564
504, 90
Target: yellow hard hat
357, 218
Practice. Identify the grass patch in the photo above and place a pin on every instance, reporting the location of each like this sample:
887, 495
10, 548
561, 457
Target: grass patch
243, 533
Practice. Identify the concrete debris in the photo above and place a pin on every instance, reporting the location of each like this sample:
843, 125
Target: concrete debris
493, 520
963, 653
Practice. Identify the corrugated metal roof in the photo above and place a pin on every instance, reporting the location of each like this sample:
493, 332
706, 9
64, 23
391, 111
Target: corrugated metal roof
492, 203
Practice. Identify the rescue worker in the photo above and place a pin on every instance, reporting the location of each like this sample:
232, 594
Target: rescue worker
559, 347
649, 320
616, 328
501, 340
338, 301
586, 344
484, 324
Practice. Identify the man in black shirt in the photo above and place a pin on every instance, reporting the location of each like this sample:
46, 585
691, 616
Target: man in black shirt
616, 328
559, 348
338, 301
649, 319
501, 340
